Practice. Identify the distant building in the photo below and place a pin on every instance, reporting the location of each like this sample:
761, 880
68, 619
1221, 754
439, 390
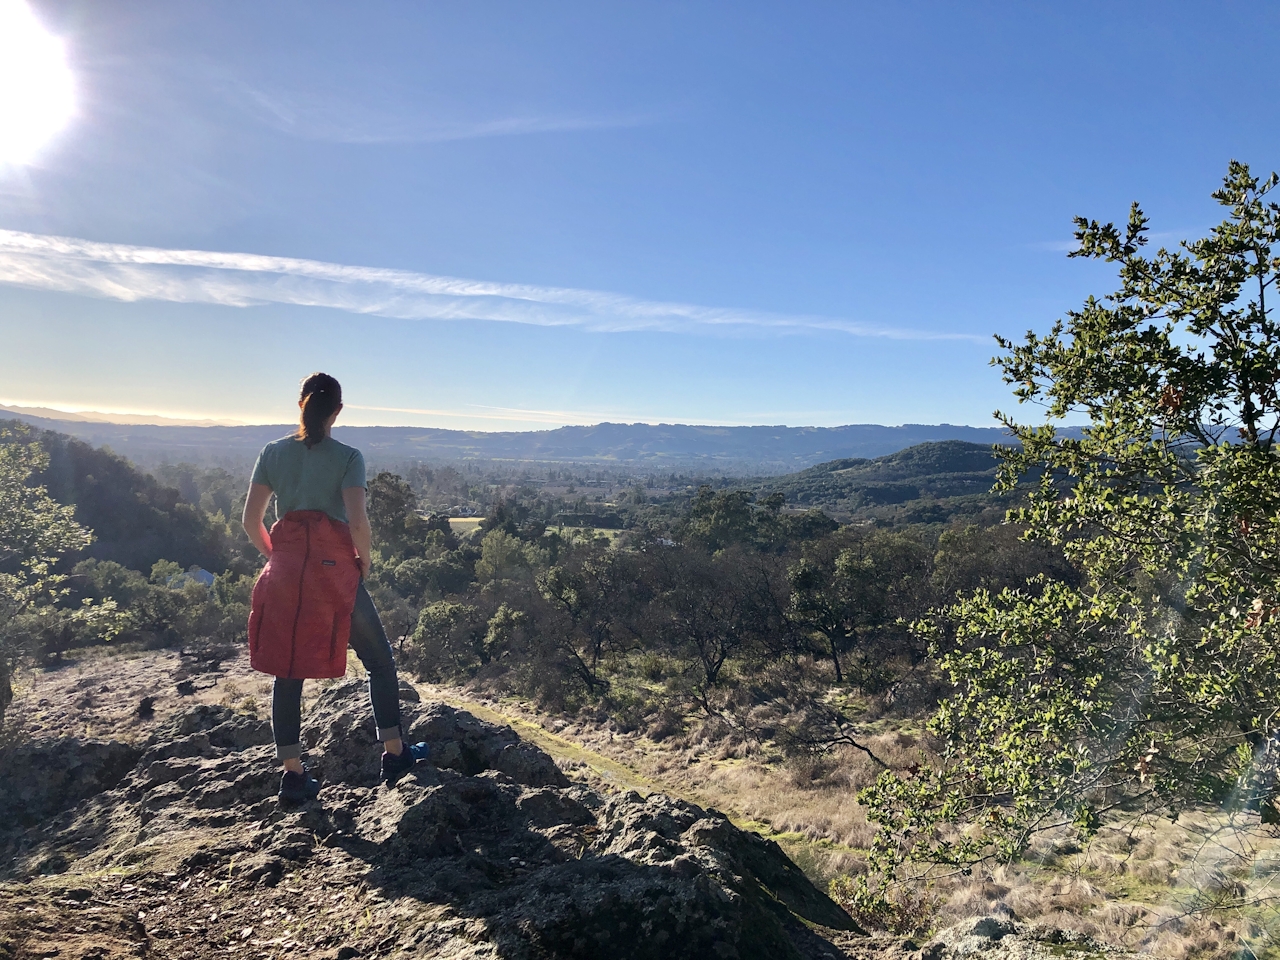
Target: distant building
196, 574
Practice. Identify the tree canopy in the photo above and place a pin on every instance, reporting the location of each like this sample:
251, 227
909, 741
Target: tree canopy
35, 532
1153, 682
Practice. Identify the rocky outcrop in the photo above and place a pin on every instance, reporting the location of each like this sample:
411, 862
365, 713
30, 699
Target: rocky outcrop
487, 852
41, 779
1001, 938
338, 734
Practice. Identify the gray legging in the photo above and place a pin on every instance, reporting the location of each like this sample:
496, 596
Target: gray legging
370, 643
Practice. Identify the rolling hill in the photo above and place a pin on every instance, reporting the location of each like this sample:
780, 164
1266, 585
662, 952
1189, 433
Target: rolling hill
929, 482
746, 451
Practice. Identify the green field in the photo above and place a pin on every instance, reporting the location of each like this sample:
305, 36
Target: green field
464, 525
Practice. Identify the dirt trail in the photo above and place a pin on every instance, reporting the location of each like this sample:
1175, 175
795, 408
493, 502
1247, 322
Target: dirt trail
612, 772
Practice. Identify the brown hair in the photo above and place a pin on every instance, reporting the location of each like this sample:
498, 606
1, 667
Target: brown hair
321, 396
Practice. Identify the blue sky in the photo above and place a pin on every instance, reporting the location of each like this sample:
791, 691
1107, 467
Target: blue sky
514, 215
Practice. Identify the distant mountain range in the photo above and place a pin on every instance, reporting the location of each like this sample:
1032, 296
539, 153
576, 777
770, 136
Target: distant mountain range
642, 447
93, 416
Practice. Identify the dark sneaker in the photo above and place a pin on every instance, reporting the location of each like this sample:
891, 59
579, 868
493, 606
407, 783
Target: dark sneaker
396, 765
298, 787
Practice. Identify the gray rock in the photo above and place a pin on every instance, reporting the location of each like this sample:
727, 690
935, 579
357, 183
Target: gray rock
341, 739
222, 727
462, 742
43, 778
1000, 938
989, 928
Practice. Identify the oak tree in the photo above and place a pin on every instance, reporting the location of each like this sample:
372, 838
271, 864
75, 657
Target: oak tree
1153, 683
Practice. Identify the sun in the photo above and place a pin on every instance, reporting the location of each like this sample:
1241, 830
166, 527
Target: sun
37, 95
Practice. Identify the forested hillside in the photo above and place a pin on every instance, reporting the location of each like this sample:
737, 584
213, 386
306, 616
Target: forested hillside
136, 519
927, 483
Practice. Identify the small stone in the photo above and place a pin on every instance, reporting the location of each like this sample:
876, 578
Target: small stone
992, 928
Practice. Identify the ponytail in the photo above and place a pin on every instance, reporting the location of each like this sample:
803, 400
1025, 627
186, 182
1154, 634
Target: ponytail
321, 396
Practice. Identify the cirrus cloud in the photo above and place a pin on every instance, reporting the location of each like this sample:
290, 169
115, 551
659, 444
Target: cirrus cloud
132, 273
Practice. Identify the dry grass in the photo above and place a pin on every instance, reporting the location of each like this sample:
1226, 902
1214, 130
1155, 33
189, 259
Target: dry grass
1198, 888
809, 796
250, 698
463, 526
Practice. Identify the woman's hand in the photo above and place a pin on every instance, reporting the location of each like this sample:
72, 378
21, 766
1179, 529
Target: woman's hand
255, 508
363, 564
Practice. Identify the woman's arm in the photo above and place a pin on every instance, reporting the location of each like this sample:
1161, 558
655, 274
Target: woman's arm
255, 508
358, 519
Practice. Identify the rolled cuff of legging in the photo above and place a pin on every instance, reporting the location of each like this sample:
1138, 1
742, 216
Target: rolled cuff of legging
388, 733
292, 752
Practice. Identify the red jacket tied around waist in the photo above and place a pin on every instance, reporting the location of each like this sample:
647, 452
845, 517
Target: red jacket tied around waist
302, 601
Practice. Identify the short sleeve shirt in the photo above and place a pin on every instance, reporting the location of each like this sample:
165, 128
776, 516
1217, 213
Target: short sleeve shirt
310, 478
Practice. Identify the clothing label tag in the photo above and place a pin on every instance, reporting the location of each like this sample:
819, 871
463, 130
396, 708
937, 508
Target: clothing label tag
328, 563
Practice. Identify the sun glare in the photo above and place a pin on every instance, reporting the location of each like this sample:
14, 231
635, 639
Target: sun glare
36, 90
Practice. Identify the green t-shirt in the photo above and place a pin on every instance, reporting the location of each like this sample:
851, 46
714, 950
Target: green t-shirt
310, 479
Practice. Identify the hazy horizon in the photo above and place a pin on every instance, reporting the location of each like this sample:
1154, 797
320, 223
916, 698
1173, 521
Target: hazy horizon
135, 417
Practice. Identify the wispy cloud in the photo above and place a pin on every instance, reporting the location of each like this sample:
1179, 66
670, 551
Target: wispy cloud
131, 273
336, 119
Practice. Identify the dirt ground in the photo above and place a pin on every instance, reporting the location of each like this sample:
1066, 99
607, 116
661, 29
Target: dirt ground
102, 695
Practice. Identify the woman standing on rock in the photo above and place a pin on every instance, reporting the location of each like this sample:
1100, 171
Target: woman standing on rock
310, 600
